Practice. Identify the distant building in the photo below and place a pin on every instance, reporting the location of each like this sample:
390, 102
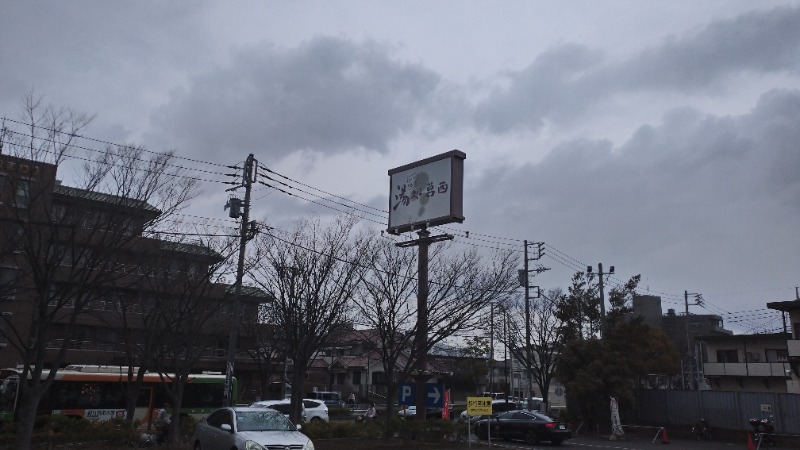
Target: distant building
792, 309
684, 331
749, 362
35, 206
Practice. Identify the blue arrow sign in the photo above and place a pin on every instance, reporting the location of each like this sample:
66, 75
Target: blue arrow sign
434, 395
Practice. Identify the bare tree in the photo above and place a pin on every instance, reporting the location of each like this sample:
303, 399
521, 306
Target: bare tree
68, 245
386, 303
547, 337
173, 279
460, 288
192, 316
265, 347
311, 272
45, 133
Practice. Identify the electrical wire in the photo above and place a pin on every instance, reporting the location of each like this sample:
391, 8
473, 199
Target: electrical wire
343, 205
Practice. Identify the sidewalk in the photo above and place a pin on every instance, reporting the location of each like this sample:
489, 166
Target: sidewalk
639, 442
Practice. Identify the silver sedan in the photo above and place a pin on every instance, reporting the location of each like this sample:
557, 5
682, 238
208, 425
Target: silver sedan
248, 428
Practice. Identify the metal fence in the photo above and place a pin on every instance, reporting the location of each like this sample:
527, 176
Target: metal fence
724, 409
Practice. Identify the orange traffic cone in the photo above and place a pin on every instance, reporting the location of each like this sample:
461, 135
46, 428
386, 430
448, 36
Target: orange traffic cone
750, 445
664, 438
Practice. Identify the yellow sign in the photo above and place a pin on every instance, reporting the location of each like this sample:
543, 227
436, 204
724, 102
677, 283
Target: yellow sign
479, 406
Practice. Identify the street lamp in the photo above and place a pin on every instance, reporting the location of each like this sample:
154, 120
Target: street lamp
600, 274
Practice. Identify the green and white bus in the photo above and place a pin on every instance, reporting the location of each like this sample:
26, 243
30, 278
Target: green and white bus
97, 393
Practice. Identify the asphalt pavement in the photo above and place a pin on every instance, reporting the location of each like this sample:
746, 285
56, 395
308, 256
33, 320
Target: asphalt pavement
636, 443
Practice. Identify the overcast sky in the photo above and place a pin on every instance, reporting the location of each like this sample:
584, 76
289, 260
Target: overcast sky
660, 137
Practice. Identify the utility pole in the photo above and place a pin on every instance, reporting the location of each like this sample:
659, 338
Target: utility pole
237, 209
491, 347
698, 300
523, 279
600, 274
507, 387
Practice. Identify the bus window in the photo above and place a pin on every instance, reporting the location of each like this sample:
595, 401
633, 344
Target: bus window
202, 395
8, 394
89, 395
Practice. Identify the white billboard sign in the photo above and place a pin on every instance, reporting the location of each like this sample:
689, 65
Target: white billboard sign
427, 193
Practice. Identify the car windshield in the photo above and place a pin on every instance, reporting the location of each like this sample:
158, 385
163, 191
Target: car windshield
262, 421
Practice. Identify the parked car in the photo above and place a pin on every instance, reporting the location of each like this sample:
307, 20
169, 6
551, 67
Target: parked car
315, 410
331, 398
284, 406
431, 413
497, 407
407, 411
247, 427
530, 426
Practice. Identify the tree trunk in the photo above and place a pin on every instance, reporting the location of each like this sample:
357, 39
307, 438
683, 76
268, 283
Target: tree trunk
25, 420
297, 393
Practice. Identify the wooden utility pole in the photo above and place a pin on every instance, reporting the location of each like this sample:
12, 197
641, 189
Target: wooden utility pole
248, 178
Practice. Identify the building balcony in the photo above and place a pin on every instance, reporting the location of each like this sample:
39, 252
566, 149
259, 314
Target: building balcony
793, 347
776, 369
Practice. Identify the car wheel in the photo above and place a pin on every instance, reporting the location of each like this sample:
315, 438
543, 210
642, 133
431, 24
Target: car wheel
316, 419
532, 438
197, 446
482, 434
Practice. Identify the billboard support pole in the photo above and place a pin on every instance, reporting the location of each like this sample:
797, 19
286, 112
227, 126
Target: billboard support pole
421, 339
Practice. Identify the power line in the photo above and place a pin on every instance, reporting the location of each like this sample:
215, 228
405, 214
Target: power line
106, 142
366, 212
140, 169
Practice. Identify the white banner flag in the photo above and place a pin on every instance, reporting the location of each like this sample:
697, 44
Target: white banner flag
616, 423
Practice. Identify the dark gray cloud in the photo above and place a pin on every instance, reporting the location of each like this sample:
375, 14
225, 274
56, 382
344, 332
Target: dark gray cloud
696, 188
759, 42
328, 94
666, 145
776, 119
563, 83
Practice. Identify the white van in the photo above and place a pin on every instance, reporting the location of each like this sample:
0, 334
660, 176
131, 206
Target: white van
330, 398
283, 406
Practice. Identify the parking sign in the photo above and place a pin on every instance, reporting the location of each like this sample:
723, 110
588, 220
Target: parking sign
434, 395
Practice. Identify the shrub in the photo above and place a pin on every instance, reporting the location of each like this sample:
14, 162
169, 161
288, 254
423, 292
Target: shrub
339, 412
338, 429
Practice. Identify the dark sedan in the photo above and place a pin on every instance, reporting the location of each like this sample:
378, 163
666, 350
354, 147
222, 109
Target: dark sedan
530, 426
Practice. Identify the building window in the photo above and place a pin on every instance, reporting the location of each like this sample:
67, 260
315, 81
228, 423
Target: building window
753, 357
777, 355
8, 277
378, 378
57, 213
22, 194
727, 356
4, 329
341, 378
356, 378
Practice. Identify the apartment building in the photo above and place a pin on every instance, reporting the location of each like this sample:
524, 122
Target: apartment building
78, 273
746, 362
